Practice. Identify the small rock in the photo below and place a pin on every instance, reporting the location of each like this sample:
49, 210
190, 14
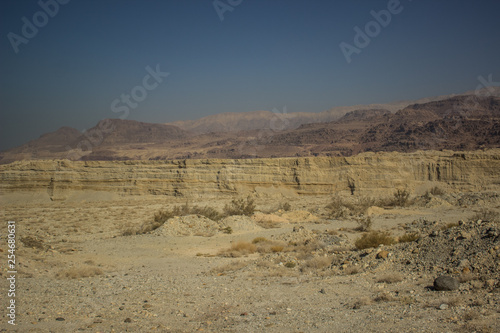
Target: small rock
244, 314
60, 319
382, 254
446, 283
322, 291
490, 283
127, 320
443, 306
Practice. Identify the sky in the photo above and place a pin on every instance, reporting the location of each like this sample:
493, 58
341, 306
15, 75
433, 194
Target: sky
76, 62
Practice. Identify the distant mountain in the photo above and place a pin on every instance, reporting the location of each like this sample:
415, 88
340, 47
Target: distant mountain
460, 122
261, 120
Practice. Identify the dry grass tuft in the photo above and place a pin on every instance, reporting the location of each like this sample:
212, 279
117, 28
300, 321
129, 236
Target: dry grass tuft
240, 207
231, 267
239, 249
407, 238
374, 239
317, 263
361, 302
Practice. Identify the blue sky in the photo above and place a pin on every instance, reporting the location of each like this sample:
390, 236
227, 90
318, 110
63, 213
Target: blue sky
262, 55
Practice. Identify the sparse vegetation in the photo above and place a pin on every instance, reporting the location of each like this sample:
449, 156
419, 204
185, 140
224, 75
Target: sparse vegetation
240, 207
227, 230
374, 239
33, 242
401, 198
364, 223
239, 249
345, 208
290, 264
259, 240
409, 237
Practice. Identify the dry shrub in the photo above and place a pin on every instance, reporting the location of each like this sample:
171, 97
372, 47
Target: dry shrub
344, 208
364, 223
259, 240
390, 278
384, 297
374, 239
79, 272
361, 302
317, 263
407, 238
240, 207
290, 264
277, 248
239, 249
269, 246
231, 267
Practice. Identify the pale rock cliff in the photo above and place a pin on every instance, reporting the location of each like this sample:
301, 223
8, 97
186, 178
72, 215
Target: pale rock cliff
365, 174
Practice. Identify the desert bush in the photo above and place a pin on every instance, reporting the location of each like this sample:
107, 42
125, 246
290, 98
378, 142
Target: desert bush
259, 239
240, 207
374, 239
317, 263
79, 272
401, 198
290, 264
364, 223
227, 230
343, 208
407, 238
384, 297
239, 249
486, 214
231, 267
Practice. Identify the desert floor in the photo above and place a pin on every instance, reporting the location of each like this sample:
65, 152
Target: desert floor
77, 271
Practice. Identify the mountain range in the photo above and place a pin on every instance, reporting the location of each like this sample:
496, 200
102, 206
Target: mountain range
459, 122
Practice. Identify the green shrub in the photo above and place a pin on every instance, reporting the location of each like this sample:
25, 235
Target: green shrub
374, 239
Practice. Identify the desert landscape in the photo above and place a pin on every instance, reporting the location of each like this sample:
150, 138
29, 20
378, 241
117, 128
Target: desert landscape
295, 244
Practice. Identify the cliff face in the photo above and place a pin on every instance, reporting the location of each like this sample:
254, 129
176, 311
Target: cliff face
366, 173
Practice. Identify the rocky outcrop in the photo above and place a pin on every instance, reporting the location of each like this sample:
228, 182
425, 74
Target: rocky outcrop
363, 174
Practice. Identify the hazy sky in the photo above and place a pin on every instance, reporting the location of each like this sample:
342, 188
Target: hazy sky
75, 65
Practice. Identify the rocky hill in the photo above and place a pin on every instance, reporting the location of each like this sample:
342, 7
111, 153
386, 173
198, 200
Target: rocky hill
465, 122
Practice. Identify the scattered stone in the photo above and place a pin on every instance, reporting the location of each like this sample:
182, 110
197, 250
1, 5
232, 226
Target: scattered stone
322, 291
127, 320
443, 306
60, 319
446, 283
382, 254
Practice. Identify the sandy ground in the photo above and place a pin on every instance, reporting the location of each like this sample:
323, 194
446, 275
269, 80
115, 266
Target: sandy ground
165, 283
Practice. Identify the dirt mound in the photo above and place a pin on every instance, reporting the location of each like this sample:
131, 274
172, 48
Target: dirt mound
240, 224
299, 216
190, 225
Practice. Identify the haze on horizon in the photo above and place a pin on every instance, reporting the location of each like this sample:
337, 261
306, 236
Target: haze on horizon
72, 63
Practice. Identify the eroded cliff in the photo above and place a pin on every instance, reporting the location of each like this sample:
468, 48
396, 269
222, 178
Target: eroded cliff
365, 173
